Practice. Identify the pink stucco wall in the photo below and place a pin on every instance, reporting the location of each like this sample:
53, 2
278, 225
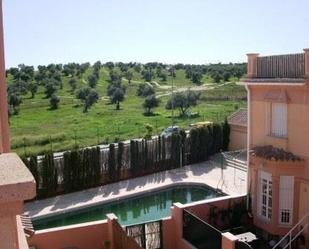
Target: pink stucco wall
83, 236
238, 137
4, 124
168, 233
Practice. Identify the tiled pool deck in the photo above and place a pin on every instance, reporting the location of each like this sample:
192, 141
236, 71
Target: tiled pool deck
229, 180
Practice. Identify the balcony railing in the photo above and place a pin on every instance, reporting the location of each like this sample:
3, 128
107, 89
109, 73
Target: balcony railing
281, 66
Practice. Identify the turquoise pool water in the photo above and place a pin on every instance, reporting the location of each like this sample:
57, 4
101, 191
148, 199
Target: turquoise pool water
140, 209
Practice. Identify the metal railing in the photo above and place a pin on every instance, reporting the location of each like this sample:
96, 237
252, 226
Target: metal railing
281, 66
293, 234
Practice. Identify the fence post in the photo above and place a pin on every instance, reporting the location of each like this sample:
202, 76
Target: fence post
306, 62
252, 65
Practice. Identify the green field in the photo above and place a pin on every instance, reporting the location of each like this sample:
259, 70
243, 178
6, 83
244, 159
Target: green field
37, 128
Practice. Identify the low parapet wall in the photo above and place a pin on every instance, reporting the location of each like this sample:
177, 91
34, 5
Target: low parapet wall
105, 234
90, 235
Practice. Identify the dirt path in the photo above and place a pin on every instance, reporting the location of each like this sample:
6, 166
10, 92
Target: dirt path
166, 89
203, 87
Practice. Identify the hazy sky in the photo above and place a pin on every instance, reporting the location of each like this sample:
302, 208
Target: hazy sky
191, 31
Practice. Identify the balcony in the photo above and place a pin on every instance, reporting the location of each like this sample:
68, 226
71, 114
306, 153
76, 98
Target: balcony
278, 69
271, 153
276, 161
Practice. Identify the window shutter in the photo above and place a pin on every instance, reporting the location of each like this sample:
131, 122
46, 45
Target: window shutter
286, 200
279, 119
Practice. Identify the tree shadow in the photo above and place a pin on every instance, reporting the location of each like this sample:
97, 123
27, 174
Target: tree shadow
52, 109
150, 114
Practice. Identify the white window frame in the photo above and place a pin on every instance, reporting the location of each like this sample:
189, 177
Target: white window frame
279, 120
286, 200
265, 200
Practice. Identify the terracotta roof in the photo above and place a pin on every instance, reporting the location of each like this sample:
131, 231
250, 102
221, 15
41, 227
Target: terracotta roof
239, 117
275, 154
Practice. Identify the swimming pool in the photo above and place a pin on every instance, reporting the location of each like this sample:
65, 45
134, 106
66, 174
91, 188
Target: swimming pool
134, 210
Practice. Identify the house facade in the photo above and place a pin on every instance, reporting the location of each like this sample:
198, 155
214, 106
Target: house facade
278, 144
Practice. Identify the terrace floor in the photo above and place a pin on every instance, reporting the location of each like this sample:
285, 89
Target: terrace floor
230, 180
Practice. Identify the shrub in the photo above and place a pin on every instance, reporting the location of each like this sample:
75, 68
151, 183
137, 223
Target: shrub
203, 143
120, 155
176, 150
49, 176
149, 130
217, 138
73, 171
111, 162
194, 145
226, 135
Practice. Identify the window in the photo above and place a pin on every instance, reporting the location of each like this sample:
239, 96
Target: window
286, 199
265, 195
279, 119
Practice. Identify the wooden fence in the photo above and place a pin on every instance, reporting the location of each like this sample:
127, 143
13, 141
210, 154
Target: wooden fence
281, 66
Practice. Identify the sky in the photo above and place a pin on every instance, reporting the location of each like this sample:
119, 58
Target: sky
39, 32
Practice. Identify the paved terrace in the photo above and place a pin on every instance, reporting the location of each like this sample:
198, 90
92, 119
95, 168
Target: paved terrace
230, 180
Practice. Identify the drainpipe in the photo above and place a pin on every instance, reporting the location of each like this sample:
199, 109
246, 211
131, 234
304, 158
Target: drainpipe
251, 73
248, 142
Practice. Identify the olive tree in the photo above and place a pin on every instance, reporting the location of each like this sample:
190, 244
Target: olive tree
88, 96
150, 103
183, 101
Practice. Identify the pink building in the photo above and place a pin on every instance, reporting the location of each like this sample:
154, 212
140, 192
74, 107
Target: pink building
278, 117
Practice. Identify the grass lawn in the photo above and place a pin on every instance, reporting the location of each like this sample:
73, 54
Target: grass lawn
37, 129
